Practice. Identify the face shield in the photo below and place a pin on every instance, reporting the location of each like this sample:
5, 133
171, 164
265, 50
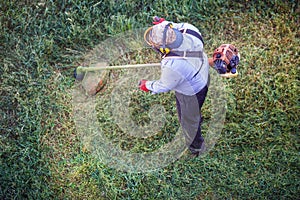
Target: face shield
163, 37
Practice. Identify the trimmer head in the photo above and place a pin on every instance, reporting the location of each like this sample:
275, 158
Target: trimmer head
92, 81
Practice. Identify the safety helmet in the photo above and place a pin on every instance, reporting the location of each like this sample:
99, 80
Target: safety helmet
226, 58
163, 37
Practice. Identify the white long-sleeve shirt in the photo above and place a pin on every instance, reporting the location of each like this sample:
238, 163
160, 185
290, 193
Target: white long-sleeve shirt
184, 75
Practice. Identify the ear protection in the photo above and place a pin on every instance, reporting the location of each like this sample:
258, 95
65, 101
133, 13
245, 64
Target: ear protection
165, 48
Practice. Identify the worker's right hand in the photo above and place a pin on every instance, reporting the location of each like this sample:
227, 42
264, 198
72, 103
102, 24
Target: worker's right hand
142, 85
157, 20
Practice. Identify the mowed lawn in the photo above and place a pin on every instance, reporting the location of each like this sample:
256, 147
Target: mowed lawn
42, 153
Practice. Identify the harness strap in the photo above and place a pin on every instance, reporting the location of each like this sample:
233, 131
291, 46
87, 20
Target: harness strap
195, 54
193, 33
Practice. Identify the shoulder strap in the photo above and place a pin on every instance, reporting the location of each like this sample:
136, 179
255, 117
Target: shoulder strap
193, 33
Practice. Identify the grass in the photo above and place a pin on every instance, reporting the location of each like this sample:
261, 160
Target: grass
41, 154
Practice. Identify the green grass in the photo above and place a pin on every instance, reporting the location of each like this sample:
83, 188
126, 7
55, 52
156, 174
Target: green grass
41, 154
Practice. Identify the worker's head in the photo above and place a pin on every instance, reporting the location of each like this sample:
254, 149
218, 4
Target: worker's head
163, 37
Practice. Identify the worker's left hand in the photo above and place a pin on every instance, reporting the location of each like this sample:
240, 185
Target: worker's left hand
142, 85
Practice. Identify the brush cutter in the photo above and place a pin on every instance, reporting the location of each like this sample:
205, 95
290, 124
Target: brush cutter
225, 67
225, 60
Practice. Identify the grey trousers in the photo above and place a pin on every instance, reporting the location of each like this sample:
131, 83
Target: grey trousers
189, 114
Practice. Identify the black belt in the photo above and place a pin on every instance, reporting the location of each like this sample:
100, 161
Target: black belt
194, 54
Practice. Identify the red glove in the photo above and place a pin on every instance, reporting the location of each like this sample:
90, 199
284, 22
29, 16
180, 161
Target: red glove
157, 20
142, 85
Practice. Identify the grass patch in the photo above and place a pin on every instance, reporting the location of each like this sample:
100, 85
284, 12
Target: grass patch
41, 154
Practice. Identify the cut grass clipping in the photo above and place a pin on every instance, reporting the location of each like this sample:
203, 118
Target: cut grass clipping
42, 156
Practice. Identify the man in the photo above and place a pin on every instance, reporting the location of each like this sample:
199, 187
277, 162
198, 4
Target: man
185, 70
